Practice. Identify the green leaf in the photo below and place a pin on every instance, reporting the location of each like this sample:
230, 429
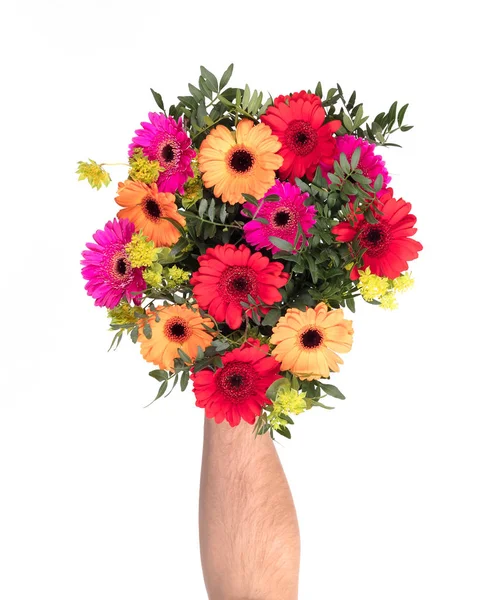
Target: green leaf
134, 334
318, 90
223, 213
391, 113
202, 208
162, 390
344, 162
188, 101
176, 224
184, 380
159, 374
378, 184
351, 304
211, 80
331, 390
281, 244
147, 331
251, 199
226, 76
347, 122
211, 210
158, 99
204, 88
272, 390
185, 357
272, 317
406, 127
246, 97
401, 115
196, 93
355, 158
284, 431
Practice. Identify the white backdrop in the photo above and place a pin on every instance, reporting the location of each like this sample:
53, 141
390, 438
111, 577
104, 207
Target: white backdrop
396, 489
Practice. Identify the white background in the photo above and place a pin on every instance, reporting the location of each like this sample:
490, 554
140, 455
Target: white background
396, 489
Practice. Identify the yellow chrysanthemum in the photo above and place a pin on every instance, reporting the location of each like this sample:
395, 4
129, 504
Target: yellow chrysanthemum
124, 314
288, 401
176, 276
154, 275
94, 173
389, 301
239, 162
143, 169
307, 342
403, 283
372, 286
193, 187
141, 252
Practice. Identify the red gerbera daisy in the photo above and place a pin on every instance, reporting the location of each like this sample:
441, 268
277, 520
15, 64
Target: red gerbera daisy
298, 122
237, 390
228, 275
387, 243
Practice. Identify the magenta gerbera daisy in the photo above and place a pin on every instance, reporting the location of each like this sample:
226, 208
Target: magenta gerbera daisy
370, 164
107, 268
165, 140
281, 218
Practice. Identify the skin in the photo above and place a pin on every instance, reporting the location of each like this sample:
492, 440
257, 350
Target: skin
249, 536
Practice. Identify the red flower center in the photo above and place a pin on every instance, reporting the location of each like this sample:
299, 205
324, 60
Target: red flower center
301, 137
151, 208
167, 153
177, 330
236, 381
311, 338
236, 283
375, 238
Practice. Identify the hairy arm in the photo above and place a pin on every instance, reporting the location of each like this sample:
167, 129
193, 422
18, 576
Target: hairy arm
250, 542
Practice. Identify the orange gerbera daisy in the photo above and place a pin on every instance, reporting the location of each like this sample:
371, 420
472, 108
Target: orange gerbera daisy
149, 210
239, 162
178, 327
307, 341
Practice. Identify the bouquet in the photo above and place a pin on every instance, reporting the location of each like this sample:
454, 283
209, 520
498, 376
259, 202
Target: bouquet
245, 227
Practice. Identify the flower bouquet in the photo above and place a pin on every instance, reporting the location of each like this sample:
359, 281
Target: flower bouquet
245, 227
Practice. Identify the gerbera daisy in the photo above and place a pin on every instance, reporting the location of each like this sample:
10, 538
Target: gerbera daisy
307, 142
145, 206
240, 162
237, 390
387, 243
283, 216
227, 275
307, 341
370, 164
178, 327
165, 140
107, 267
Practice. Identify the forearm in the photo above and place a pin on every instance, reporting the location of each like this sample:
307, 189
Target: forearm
250, 543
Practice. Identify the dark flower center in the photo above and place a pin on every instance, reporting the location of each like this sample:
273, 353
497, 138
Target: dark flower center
152, 208
121, 266
301, 137
311, 338
281, 218
236, 283
177, 330
375, 238
241, 161
236, 381
167, 153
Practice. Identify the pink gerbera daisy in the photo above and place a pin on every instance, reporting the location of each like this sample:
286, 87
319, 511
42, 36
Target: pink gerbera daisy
370, 164
107, 268
283, 218
165, 140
